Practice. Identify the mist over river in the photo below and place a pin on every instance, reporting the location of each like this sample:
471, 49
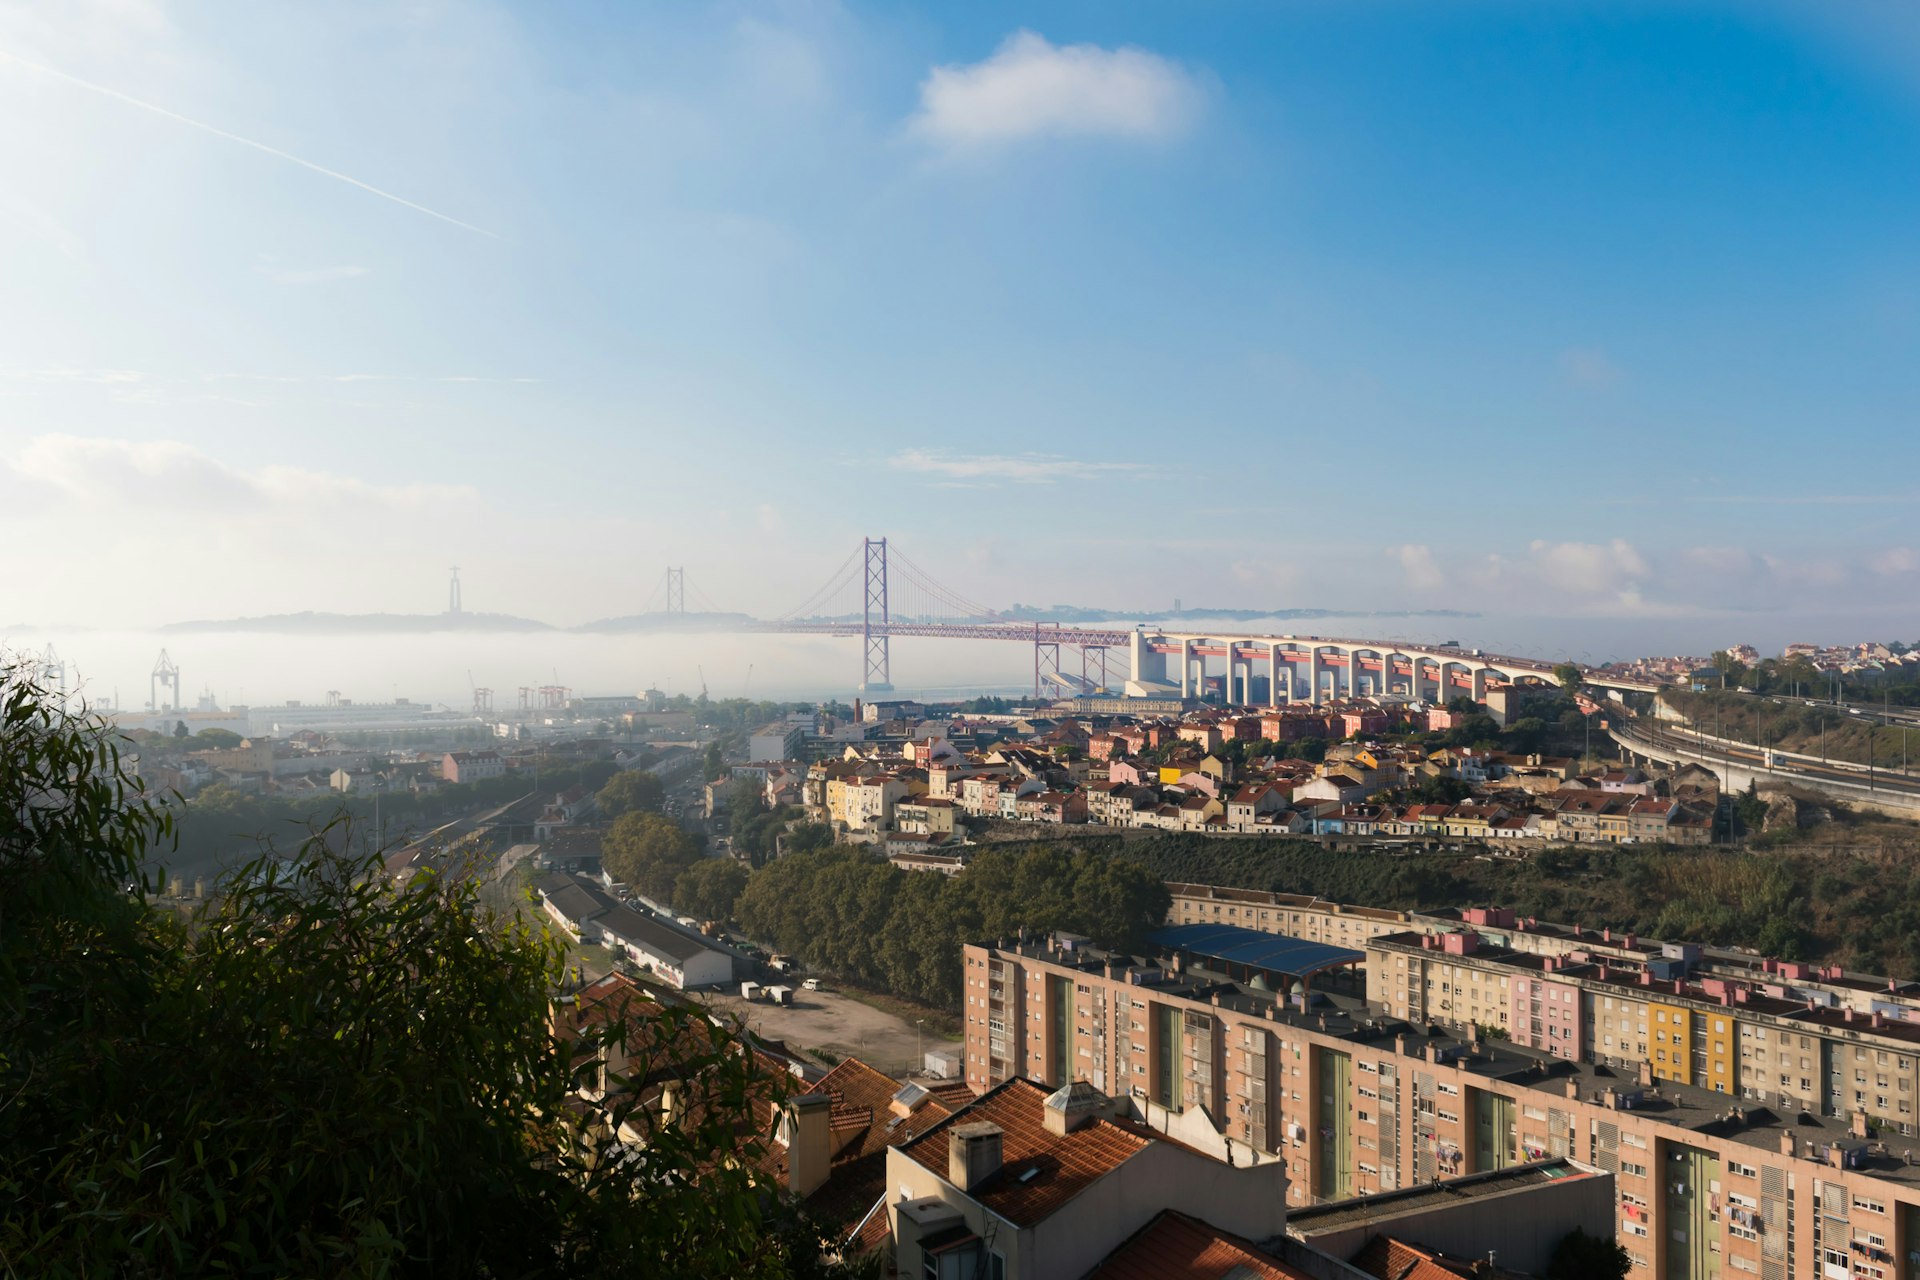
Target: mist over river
258, 669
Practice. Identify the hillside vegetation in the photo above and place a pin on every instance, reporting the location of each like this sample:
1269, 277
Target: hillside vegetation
1792, 725
1859, 911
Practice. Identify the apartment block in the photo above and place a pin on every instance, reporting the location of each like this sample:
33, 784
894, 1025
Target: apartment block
1322, 920
1353, 1101
1755, 1040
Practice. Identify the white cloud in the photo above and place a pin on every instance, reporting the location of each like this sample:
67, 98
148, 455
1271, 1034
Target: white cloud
127, 475
1589, 567
1030, 88
1019, 468
1588, 367
1416, 560
1896, 560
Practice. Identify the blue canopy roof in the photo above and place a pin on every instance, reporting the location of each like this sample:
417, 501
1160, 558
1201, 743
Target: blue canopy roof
1236, 944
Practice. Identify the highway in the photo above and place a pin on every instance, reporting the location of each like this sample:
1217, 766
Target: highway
1709, 750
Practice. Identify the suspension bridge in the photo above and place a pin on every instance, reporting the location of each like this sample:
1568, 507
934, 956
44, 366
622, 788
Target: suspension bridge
878, 593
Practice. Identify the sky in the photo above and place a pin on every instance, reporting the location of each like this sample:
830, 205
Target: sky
1599, 310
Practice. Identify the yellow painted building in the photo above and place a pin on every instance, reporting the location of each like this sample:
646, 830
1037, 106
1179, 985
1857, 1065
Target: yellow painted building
1671, 1046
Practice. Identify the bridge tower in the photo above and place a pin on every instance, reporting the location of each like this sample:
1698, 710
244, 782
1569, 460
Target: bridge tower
876, 677
677, 589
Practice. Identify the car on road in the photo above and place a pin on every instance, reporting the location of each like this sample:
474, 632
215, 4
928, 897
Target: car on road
811, 984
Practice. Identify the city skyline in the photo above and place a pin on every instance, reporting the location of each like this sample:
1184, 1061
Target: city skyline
1337, 307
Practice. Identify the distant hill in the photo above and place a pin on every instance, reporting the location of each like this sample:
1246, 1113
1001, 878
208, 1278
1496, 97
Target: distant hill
664, 622
363, 623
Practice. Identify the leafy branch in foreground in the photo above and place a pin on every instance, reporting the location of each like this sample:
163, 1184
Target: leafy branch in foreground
323, 1072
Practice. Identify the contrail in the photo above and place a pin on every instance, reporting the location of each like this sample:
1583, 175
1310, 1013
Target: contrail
245, 142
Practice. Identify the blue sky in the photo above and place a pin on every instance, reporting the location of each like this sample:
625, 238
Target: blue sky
1606, 310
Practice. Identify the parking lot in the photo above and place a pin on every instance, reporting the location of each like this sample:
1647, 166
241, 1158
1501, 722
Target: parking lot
842, 1026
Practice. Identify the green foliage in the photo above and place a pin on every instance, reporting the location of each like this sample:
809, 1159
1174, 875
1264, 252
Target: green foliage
1794, 726
323, 1073
1475, 731
75, 834
715, 764
216, 740
1862, 912
648, 852
755, 830
628, 791
1579, 1256
709, 889
1439, 789
846, 911
222, 824
805, 837
1569, 675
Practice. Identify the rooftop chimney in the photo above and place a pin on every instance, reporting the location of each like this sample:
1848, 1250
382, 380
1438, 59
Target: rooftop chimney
1071, 1106
1788, 1145
1646, 1075
809, 1153
973, 1154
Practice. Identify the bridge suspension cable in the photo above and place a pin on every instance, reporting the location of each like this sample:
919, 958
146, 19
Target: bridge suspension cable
839, 581
701, 598
929, 601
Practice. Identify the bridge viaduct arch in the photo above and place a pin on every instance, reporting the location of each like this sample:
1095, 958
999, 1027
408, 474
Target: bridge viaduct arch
1332, 668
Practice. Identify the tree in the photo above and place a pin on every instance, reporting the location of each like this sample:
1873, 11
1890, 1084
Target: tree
1569, 675
648, 852
180, 730
1580, 1256
709, 889
1440, 788
218, 739
1527, 733
716, 761
1731, 669
746, 797
323, 1073
630, 790
805, 837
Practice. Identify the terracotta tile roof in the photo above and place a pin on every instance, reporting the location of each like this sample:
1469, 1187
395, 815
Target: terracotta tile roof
1176, 1247
1063, 1165
1385, 1258
953, 1094
861, 1126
